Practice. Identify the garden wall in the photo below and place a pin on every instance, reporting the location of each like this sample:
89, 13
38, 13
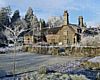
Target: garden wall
73, 51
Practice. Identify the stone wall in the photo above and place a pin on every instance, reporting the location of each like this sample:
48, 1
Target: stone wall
67, 51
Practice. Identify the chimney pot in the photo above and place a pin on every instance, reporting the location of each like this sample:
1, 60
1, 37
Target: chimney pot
80, 21
66, 17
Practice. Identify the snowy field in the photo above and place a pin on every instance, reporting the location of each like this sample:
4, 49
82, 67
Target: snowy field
95, 59
29, 61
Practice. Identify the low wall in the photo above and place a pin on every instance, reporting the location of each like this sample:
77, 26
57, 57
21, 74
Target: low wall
73, 51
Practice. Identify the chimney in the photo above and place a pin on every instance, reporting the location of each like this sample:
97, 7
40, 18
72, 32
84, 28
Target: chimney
66, 18
80, 23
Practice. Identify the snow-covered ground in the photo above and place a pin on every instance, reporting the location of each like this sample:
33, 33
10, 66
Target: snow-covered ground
7, 49
95, 59
29, 61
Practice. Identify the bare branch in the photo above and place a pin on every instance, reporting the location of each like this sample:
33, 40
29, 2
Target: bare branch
8, 29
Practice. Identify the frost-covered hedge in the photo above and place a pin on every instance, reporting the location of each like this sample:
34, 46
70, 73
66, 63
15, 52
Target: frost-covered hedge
53, 76
91, 65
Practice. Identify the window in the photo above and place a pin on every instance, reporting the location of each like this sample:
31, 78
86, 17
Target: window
28, 40
67, 41
74, 40
79, 30
67, 33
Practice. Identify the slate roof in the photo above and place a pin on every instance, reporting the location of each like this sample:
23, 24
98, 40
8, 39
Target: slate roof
54, 30
89, 32
74, 26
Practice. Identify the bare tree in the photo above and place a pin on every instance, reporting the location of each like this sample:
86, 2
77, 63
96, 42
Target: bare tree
55, 21
16, 32
91, 41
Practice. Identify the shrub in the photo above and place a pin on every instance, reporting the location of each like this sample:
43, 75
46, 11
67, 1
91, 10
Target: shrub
91, 65
98, 76
78, 77
42, 70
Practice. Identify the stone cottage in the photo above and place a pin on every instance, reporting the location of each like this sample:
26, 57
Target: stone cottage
65, 34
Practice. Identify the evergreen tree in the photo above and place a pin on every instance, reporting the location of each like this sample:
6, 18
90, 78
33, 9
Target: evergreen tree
43, 24
15, 20
4, 17
15, 16
29, 16
34, 22
31, 19
55, 21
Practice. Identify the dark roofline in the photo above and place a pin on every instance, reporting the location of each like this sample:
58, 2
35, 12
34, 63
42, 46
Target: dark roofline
75, 25
30, 32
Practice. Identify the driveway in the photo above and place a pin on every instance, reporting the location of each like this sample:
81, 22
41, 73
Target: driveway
30, 61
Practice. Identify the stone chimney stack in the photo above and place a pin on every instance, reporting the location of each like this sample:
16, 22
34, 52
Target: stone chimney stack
80, 21
66, 18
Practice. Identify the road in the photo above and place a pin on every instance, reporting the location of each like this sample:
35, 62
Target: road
30, 61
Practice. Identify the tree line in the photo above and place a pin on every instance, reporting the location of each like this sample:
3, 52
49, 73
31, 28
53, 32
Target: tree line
13, 20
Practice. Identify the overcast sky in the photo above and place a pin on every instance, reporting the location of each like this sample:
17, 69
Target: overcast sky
89, 9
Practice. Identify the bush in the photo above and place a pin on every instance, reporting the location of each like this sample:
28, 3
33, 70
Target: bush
91, 65
42, 70
78, 77
98, 76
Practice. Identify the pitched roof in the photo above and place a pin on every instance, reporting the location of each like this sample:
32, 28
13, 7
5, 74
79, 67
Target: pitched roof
71, 27
89, 32
74, 26
54, 30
